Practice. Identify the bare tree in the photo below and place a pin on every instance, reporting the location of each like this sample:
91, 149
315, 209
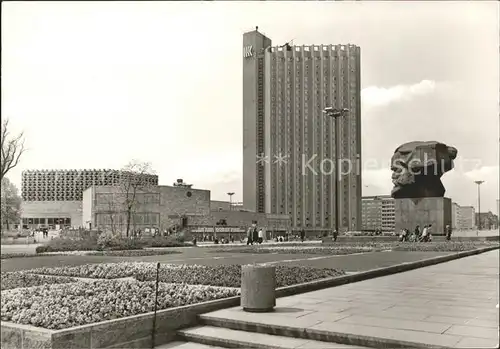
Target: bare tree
113, 213
12, 149
10, 203
135, 178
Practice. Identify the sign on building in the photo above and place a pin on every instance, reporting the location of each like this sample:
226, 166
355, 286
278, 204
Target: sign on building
218, 230
247, 51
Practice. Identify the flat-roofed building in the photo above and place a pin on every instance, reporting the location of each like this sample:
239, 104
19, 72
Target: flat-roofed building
53, 198
378, 213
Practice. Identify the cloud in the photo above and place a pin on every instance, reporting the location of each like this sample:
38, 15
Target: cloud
375, 96
484, 173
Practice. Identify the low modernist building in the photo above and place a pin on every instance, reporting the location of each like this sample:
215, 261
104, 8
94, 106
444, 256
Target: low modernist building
159, 207
171, 208
487, 220
377, 213
98, 199
53, 198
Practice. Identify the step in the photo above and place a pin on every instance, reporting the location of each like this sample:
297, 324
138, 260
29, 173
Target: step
228, 338
336, 334
186, 345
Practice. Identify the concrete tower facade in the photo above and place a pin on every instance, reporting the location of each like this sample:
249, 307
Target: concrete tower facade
254, 104
291, 159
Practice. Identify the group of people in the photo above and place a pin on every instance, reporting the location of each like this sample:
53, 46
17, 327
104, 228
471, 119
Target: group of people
424, 235
44, 231
255, 235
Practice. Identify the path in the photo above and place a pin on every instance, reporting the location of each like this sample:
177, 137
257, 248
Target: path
451, 304
350, 263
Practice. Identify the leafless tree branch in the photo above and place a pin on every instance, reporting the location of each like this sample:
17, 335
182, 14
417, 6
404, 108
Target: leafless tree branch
12, 149
135, 179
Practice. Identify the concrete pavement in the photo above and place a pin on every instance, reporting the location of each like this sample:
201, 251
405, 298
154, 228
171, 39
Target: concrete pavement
452, 304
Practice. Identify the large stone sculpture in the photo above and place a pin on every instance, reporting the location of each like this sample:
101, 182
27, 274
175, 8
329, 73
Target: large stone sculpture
417, 169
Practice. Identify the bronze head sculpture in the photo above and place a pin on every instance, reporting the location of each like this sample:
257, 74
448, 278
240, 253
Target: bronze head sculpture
417, 168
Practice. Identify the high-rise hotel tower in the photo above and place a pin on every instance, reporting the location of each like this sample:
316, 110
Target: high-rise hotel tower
289, 142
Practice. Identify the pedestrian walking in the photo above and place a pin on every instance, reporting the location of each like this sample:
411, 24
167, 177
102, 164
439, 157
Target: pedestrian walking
404, 235
417, 233
448, 232
255, 235
424, 236
335, 234
249, 236
429, 232
260, 236
302, 234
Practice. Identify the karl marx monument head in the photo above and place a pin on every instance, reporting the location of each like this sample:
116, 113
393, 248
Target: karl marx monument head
417, 168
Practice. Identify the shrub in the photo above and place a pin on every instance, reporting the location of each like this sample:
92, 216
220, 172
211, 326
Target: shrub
167, 241
67, 244
90, 243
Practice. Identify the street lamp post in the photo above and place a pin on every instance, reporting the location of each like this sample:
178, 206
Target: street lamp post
336, 113
479, 204
230, 201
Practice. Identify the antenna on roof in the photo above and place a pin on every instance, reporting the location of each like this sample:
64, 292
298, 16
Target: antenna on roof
287, 45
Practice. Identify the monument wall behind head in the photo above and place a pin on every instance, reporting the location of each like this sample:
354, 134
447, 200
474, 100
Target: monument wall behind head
412, 212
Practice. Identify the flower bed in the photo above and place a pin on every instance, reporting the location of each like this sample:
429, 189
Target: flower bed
18, 279
441, 246
221, 275
110, 253
132, 253
342, 248
230, 275
323, 250
79, 303
16, 255
98, 271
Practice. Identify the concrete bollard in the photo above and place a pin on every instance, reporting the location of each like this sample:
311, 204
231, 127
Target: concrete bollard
258, 288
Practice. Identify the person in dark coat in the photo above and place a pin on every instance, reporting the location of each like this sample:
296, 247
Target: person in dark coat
302, 234
249, 236
335, 234
448, 232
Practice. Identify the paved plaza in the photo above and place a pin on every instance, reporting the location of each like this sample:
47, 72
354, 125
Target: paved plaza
451, 304
206, 256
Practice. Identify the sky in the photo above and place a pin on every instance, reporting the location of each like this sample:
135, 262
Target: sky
97, 84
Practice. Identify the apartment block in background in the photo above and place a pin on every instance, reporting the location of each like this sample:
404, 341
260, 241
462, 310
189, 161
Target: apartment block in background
455, 216
467, 218
378, 213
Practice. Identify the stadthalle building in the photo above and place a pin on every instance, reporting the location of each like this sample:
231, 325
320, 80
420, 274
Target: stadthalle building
288, 139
